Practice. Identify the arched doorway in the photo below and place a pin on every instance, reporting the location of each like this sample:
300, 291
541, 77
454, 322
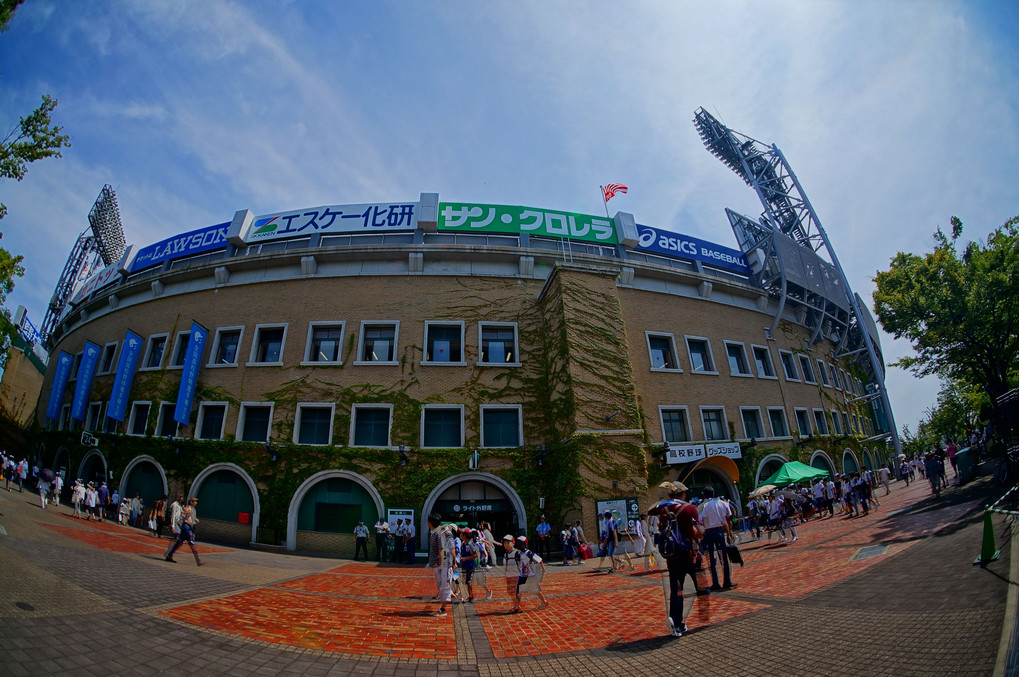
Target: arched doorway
145, 477
93, 467
768, 466
228, 502
868, 460
822, 461
708, 476
476, 497
326, 508
849, 462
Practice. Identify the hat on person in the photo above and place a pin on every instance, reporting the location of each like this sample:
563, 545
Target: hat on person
507, 537
522, 539
673, 487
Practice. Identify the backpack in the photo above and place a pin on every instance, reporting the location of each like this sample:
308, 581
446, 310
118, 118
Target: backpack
672, 542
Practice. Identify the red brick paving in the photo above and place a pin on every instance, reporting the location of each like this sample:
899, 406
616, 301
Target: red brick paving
117, 538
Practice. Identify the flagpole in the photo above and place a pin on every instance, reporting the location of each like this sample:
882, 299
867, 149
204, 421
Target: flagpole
604, 201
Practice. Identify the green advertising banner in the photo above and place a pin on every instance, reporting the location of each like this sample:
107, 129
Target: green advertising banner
476, 218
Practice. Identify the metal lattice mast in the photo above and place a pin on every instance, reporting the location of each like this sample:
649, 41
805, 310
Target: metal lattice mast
787, 210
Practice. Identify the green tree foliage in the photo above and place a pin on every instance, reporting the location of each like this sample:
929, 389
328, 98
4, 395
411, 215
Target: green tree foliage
960, 311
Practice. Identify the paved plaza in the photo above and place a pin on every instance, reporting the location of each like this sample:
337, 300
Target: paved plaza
893, 593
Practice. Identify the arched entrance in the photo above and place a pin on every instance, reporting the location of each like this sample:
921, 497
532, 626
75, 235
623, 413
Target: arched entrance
326, 508
868, 460
145, 477
474, 497
228, 503
93, 467
62, 464
768, 466
822, 461
849, 462
708, 476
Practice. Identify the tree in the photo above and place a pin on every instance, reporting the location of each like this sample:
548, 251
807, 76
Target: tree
959, 311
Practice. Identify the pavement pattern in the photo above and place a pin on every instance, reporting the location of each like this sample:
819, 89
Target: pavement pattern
893, 592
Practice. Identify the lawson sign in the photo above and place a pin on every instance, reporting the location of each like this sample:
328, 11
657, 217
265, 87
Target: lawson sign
685, 247
180, 246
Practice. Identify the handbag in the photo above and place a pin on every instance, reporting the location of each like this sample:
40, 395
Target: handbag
152, 524
733, 553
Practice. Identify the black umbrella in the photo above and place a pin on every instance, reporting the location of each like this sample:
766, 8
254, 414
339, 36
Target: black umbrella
47, 475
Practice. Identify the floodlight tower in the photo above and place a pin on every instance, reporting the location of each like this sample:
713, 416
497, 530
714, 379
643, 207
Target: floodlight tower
782, 247
105, 244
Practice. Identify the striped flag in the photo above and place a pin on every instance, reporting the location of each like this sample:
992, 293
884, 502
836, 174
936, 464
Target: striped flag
609, 191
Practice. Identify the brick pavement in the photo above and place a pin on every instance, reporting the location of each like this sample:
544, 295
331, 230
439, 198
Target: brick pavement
830, 603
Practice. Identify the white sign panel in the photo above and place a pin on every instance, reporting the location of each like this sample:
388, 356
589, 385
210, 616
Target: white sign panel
730, 449
685, 454
362, 218
104, 277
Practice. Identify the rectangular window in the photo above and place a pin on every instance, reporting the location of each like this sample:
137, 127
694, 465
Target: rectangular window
674, 424
715, 427
137, 423
823, 373
845, 382
662, 348
165, 425
752, 427
254, 422
788, 366
110, 424
835, 376
370, 426
314, 424
501, 426
803, 422
154, 352
92, 421
444, 343
836, 425
701, 361
845, 421
106, 364
762, 358
807, 369
737, 355
776, 416
498, 344
65, 418
325, 341
378, 343
225, 346
820, 422
180, 349
442, 426
211, 419
267, 346
75, 367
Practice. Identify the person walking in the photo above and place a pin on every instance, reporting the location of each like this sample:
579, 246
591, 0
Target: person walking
715, 515
160, 511
437, 562
529, 569
58, 486
609, 540
678, 522
360, 540
410, 542
77, 497
188, 522
399, 535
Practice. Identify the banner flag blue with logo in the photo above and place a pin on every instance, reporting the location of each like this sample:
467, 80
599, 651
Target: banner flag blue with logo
83, 388
60, 377
125, 375
189, 378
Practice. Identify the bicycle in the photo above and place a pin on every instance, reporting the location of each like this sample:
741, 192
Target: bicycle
1007, 471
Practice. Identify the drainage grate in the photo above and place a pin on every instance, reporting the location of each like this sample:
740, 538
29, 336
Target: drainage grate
24, 605
869, 551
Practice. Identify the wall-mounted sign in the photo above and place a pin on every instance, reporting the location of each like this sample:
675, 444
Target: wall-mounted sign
104, 277
181, 246
624, 510
729, 449
362, 218
82, 389
480, 218
686, 453
691, 248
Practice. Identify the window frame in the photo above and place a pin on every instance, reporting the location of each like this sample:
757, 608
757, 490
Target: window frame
806, 369
312, 326
396, 342
785, 423
836, 424
255, 345
65, 422
685, 415
709, 354
671, 338
771, 362
131, 418
743, 351
242, 416
96, 424
821, 431
169, 407
792, 362
822, 371
799, 427
201, 420
463, 344
760, 423
833, 370
113, 359
520, 424
353, 424
216, 344
148, 352
421, 429
704, 408
176, 346
298, 411
516, 346
76, 366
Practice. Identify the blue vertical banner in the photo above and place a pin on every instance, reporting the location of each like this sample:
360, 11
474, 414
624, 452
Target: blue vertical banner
63, 372
189, 378
125, 375
82, 389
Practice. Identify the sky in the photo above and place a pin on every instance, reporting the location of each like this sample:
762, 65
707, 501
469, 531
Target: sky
895, 116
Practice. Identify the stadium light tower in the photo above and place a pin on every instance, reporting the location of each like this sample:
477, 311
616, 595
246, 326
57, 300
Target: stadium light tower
782, 248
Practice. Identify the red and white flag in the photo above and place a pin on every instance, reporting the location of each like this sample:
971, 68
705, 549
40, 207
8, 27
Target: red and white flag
609, 190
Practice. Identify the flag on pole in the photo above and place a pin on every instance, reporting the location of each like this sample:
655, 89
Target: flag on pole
609, 190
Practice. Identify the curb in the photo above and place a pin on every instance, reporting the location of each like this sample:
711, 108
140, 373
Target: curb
1007, 664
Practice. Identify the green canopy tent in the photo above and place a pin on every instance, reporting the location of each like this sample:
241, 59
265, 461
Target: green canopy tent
794, 472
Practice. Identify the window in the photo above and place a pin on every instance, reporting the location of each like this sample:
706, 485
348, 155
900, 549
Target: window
267, 346
444, 343
737, 355
715, 427
700, 356
752, 426
75, 367
788, 366
254, 421
776, 416
820, 422
808, 371
138, 421
106, 360
501, 426
65, 418
370, 425
674, 424
154, 352
498, 344
845, 382
442, 426
92, 421
225, 347
110, 424
803, 422
822, 371
762, 358
165, 425
211, 419
845, 421
835, 376
378, 343
662, 348
325, 341
180, 350
314, 424
836, 425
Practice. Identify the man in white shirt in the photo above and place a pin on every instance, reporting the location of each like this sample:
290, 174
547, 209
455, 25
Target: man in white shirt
381, 533
410, 541
360, 540
715, 516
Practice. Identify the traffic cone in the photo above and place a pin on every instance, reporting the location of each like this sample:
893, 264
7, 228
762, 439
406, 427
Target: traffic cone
987, 551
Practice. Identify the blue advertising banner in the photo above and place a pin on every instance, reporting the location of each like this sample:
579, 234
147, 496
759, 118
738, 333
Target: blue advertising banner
125, 375
189, 378
179, 246
691, 248
60, 377
82, 389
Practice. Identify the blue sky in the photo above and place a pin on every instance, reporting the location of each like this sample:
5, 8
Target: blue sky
894, 116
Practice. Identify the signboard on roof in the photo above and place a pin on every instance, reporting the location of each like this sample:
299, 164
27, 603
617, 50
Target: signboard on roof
691, 248
181, 246
481, 218
359, 218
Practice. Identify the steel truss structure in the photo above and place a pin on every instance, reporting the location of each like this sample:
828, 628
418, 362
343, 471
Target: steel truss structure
783, 247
